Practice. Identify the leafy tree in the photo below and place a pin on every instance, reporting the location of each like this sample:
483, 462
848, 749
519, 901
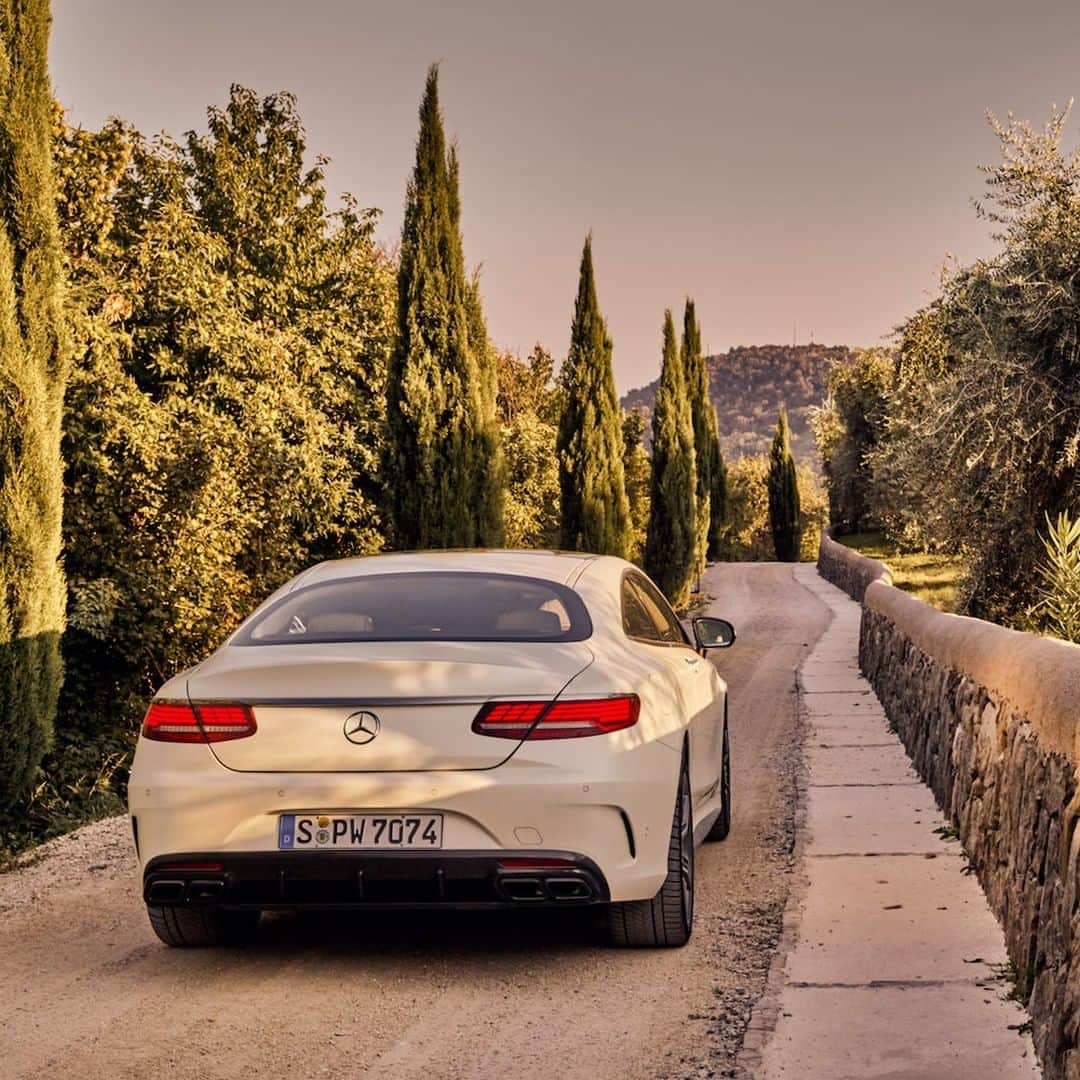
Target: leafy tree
638, 472
848, 428
34, 358
219, 434
783, 485
671, 546
906, 496
527, 386
981, 437
442, 466
593, 503
747, 536
528, 413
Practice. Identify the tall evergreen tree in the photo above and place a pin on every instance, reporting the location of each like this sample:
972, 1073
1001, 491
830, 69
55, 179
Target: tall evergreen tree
638, 472
718, 494
33, 370
783, 485
442, 467
592, 485
710, 464
671, 548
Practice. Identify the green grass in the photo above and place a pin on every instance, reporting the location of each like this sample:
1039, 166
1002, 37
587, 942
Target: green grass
934, 579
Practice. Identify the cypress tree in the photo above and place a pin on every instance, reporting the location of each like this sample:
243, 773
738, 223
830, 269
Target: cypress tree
637, 468
594, 507
491, 475
711, 480
718, 494
671, 549
33, 370
783, 484
442, 465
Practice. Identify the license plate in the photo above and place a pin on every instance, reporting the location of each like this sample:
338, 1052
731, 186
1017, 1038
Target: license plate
340, 831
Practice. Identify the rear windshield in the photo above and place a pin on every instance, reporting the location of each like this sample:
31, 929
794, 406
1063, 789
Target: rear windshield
422, 607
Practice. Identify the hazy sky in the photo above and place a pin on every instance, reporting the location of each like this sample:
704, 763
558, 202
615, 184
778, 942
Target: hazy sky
804, 162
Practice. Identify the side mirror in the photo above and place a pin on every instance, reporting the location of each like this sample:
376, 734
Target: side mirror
713, 634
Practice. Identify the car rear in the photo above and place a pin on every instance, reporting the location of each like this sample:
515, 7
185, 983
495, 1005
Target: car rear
352, 747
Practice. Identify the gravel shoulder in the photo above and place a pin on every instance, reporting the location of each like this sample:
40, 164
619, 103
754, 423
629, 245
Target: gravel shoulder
94, 994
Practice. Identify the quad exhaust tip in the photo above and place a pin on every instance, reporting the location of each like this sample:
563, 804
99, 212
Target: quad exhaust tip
166, 891
525, 890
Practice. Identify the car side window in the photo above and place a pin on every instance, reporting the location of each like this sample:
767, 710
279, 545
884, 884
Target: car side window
659, 610
637, 623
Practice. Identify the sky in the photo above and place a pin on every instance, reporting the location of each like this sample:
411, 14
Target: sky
799, 168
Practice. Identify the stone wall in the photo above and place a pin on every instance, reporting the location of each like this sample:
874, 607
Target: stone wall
847, 569
989, 718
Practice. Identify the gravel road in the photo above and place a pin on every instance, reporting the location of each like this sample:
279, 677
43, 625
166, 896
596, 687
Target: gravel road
91, 993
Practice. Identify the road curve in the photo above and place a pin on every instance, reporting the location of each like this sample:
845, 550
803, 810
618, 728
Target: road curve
91, 992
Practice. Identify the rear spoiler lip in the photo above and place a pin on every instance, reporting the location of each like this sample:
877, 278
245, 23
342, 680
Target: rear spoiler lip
360, 702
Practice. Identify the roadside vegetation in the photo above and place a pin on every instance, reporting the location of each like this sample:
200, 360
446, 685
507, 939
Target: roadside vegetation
747, 535
962, 440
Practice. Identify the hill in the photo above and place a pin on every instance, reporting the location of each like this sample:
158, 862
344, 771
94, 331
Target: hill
749, 383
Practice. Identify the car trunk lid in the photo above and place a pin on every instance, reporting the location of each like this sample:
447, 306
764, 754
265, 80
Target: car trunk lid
379, 707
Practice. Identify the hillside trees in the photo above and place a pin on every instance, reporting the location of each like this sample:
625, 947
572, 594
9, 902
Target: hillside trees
594, 509
442, 464
34, 357
672, 546
749, 383
783, 488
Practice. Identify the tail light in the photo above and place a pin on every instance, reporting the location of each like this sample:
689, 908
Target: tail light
197, 722
557, 719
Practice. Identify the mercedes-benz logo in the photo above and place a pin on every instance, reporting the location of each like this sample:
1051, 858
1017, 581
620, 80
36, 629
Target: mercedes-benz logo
361, 727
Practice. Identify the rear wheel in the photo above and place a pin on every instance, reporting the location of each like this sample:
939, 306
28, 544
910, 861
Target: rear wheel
201, 926
722, 825
666, 920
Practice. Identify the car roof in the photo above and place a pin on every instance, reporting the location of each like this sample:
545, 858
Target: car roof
561, 566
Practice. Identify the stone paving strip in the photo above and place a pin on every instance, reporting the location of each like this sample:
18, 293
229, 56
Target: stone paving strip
894, 965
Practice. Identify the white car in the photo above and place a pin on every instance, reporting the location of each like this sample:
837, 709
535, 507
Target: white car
462, 728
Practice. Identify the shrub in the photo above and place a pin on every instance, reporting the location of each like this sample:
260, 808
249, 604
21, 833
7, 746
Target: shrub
1058, 606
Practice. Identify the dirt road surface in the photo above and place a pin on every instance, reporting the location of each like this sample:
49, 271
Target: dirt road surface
89, 991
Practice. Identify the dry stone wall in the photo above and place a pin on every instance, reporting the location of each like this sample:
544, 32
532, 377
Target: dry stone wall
989, 717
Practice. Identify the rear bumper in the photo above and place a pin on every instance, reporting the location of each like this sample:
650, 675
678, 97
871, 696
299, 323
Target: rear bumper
611, 808
373, 880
